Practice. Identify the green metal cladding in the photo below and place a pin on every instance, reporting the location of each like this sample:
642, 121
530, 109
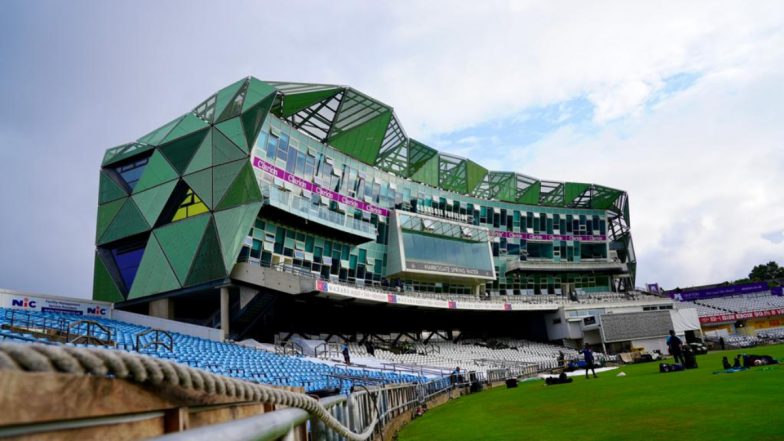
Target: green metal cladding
202, 155
175, 205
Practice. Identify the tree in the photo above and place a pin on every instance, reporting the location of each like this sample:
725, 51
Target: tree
768, 271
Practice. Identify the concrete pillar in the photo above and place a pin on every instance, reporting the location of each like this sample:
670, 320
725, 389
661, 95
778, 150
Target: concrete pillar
224, 311
163, 308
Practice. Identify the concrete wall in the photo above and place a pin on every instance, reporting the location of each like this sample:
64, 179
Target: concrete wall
269, 278
168, 325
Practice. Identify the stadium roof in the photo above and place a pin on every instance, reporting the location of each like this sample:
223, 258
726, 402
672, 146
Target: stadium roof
369, 130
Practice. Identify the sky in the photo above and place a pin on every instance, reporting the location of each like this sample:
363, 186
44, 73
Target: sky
678, 103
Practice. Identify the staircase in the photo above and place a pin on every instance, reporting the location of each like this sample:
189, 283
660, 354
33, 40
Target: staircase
244, 320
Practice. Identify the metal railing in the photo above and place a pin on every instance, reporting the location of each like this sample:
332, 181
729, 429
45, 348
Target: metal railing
154, 338
289, 348
59, 329
357, 411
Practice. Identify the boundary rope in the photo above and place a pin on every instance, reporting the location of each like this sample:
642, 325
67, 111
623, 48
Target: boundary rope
143, 369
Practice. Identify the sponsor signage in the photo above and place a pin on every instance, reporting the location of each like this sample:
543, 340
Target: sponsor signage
315, 188
329, 288
62, 306
777, 291
550, 237
447, 269
718, 291
741, 316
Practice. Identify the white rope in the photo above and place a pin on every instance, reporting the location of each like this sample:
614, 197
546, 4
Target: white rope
157, 372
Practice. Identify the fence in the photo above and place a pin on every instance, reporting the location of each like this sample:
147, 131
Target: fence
374, 407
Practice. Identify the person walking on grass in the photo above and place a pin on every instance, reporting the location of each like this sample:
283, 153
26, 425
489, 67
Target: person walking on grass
675, 345
589, 365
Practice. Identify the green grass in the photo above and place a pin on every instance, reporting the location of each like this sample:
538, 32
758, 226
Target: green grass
644, 405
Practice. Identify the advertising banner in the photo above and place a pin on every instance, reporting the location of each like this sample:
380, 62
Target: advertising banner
315, 188
718, 291
741, 316
401, 299
447, 269
25, 302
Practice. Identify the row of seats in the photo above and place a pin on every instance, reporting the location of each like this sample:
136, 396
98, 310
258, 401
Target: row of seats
734, 304
221, 358
473, 354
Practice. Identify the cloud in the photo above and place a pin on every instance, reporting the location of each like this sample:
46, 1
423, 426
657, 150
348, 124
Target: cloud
81, 77
702, 170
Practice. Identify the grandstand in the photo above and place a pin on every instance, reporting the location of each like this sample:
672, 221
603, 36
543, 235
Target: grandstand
267, 193
256, 234
222, 358
728, 310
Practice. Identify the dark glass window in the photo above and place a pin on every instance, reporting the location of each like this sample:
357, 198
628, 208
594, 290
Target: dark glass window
127, 260
131, 172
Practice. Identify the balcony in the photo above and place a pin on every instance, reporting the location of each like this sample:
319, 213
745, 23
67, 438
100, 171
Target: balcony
547, 265
300, 207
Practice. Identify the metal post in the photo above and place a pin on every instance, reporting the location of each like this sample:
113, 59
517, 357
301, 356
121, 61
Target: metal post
224, 311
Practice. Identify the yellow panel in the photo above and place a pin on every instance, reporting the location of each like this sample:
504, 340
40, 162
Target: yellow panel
195, 209
181, 214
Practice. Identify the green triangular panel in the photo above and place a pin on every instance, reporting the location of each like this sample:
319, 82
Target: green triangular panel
234, 108
104, 288
243, 190
363, 141
127, 222
201, 183
222, 178
108, 189
418, 154
106, 213
428, 172
180, 240
190, 123
203, 157
223, 150
474, 175
233, 225
572, 190
233, 130
152, 201
154, 275
157, 171
156, 136
505, 187
257, 91
531, 194
225, 96
208, 263
294, 103
253, 119
604, 198
180, 152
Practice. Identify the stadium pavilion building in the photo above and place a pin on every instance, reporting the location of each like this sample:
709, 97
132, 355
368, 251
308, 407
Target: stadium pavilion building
317, 191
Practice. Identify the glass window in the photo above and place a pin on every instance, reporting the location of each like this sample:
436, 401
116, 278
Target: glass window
291, 160
131, 172
310, 166
283, 147
127, 259
446, 251
272, 145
